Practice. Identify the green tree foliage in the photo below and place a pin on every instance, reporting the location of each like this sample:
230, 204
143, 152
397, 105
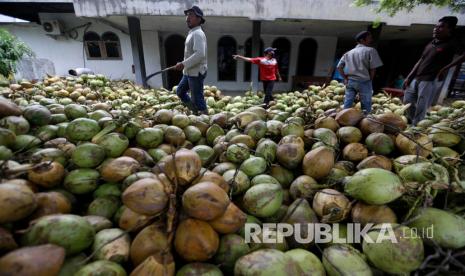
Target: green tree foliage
12, 50
393, 6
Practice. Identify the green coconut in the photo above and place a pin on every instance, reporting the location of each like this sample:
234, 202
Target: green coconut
50, 154
81, 181
379, 143
303, 186
448, 154
134, 177
72, 264
374, 186
101, 267
273, 127
440, 227
25, 142
204, 269
180, 120
263, 200
107, 189
82, 129
237, 153
174, 135
253, 166
58, 118
292, 129
425, 171
107, 245
300, 214
443, 136
114, 144
206, 153
256, 130
97, 115
400, 255
5, 153
325, 135
283, 175
213, 132
405, 160
232, 247
104, 206
98, 223
267, 149
72, 232
7, 137
17, 124
265, 262
37, 115
307, 261
74, 111
193, 134
150, 137
88, 155
349, 134
131, 129
264, 178
342, 259
237, 180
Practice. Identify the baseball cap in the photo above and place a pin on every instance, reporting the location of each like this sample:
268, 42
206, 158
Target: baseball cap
197, 11
269, 49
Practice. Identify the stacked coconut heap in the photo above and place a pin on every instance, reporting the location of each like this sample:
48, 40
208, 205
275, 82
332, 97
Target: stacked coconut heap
106, 178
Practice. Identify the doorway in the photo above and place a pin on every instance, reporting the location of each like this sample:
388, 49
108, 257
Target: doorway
174, 53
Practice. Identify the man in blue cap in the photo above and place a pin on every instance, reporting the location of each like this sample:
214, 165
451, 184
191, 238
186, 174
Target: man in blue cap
360, 64
194, 65
269, 71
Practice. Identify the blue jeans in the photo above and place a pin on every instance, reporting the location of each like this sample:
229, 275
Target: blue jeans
195, 84
365, 91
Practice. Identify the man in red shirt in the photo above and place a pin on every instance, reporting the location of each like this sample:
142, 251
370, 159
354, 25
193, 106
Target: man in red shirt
269, 71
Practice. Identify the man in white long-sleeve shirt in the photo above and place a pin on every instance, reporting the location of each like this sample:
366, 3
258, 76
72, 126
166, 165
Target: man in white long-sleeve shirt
194, 66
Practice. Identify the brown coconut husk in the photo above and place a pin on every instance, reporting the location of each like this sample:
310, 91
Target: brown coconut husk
230, 221
355, 152
318, 163
41, 260
205, 201
349, 117
196, 240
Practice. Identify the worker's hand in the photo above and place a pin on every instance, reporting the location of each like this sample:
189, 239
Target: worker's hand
280, 79
406, 83
235, 57
442, 73
179, 66
346, 80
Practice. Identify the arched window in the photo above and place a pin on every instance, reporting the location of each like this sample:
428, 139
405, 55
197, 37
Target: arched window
227, 47
112, 45
307, 57
283, 53
92, 44
248, 53
105, 47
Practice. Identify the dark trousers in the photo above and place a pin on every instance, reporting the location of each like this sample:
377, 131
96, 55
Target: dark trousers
268, 89
195, 84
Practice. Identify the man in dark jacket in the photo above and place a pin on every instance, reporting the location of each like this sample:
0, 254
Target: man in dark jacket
423, 84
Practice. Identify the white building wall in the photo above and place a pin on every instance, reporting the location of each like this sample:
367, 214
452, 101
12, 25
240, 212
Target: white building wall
67, 53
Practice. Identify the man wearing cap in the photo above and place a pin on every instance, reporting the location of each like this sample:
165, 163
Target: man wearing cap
423, 84
360, 66
194, 65
269, 71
